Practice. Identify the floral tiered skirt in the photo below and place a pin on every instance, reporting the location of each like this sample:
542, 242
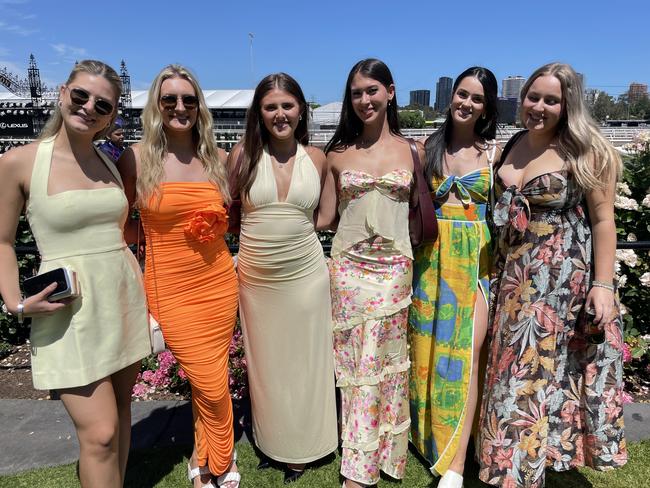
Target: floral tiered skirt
371, 293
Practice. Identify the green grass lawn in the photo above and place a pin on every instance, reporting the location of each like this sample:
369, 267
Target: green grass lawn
165, 468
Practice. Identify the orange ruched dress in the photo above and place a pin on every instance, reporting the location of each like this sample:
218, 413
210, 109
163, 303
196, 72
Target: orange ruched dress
191, 289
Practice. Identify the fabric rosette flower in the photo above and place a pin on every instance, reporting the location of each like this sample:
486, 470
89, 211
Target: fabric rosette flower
205, 225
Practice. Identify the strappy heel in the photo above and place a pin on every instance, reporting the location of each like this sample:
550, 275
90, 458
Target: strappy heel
198, 471
230, 476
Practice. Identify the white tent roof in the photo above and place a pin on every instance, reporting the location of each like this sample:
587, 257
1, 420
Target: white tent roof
328, 114
240, 99
235, 99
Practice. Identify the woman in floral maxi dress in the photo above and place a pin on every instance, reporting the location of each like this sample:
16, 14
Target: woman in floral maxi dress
552, 396
370, 175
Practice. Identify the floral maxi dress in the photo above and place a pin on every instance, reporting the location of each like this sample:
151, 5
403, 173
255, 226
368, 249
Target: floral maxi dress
551, 398
371, 272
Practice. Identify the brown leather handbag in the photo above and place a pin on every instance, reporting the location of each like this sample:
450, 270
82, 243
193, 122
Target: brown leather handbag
423, 224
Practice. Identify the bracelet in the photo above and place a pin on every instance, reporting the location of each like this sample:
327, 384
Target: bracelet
20, 310
600, 284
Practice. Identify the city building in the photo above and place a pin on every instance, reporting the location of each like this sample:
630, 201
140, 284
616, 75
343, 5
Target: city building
443, 93
507, 108
511, 86
636, 92
420, 97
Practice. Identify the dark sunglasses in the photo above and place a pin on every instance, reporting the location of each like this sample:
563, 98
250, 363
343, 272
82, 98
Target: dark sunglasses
80, 97
170, 101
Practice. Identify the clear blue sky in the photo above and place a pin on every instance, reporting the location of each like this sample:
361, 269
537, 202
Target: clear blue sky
318, 42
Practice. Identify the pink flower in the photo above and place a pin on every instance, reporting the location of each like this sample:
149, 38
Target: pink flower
147, 376
139, 390
627, 353
181, 374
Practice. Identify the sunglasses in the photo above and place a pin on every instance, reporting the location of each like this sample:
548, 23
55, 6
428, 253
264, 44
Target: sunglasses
170, 101
80, 97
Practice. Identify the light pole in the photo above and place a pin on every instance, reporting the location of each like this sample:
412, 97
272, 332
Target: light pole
251, 37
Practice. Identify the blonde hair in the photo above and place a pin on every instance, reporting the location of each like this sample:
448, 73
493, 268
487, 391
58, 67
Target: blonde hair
92, 67
592, 160
153, 147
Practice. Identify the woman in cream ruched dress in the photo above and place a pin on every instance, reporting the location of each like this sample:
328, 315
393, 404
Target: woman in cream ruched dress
285, 313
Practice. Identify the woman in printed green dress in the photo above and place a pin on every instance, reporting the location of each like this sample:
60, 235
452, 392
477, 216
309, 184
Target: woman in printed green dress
553, 388
448, 315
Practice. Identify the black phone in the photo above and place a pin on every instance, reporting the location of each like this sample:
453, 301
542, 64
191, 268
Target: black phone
594, 333
65, 279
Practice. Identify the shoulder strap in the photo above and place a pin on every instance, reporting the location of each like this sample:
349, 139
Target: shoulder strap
110, 165
511, 143
41, 168
491, 151
420, 185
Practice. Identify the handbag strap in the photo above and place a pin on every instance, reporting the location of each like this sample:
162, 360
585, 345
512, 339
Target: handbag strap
421, 187
234, 176
422, 197
153, 267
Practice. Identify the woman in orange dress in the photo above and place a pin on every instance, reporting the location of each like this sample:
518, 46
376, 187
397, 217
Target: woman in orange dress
176, 177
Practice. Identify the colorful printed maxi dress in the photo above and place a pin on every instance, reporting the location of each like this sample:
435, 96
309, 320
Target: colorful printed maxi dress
551, 399
448, 275
371, 273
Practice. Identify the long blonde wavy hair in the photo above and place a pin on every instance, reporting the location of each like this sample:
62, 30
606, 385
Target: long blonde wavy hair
592, 160
153, 147
92, 67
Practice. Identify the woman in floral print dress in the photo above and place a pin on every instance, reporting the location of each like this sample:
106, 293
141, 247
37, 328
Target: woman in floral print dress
370, 164
552, 397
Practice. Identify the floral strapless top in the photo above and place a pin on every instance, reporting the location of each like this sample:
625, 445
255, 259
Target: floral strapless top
372, 206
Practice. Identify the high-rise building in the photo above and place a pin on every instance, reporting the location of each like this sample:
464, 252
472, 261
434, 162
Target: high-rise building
507, 108
420, 97
581, 77
636, 92
511, 86
443, 93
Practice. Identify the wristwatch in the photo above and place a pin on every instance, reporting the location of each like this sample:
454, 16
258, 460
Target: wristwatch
20, 308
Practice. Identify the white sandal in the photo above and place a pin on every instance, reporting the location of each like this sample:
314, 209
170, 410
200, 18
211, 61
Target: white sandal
451, 479
230, 476
198, 471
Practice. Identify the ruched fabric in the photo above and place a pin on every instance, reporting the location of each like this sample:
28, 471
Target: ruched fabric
371, 273
285, 312
191, 289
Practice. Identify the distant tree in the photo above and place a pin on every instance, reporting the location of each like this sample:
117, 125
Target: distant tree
428, 112
606, 107
411, 119
640, 109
